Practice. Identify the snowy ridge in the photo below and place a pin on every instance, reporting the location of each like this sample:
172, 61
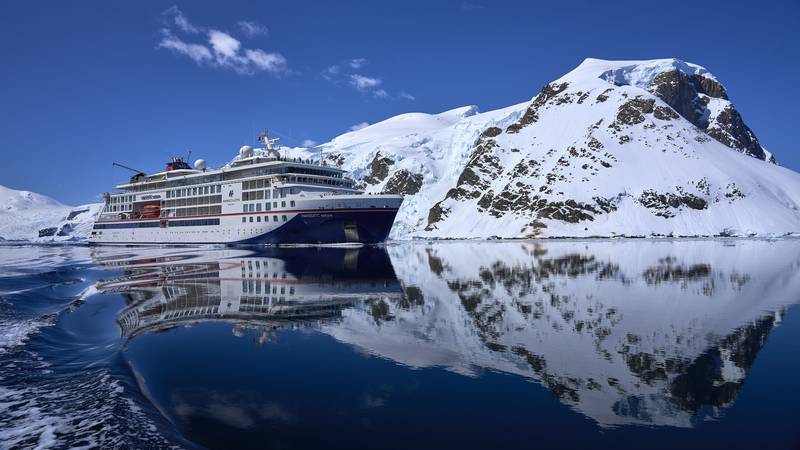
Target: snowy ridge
27, 216
613, 148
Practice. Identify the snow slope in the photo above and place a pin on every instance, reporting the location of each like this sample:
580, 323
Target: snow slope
27, 216
613, 148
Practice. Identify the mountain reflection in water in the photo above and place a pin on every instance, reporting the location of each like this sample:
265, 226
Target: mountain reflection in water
623, 332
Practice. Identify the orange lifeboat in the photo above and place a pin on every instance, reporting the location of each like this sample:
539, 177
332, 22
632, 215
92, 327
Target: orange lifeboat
151, 211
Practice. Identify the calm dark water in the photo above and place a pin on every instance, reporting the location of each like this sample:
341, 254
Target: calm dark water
607, 344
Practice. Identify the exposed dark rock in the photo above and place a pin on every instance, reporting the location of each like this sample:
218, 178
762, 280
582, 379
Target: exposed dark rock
75, 213
708, 86
491, 132
65, 230
436, 214
379, 169
47, 232
665, 113
604, 96
664, 204
532, 113
730, 129
605, 204
633, 111
404, 182
680, 92
335, 159
689, 97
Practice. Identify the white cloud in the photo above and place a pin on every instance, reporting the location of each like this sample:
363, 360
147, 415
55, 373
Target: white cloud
359, 126
198, 53
363, 83
252, 29
309, 143
221, 50
346, 72
176, 16
330, 73
225, 46
357, 63
271, 62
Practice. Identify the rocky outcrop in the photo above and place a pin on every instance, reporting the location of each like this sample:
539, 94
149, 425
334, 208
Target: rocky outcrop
379, 169
729, 128
403, 182
691, 96
665, 204
532, 113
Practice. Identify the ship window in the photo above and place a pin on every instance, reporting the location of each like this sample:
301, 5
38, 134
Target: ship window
283, 204
292, 203
258, 218
274, 204
244, 219
251, 219
205, 190
244, 208
245, 196
267, 194
284, 218
258, 207
274, 218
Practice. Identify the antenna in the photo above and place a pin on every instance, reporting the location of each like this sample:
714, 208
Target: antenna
269, 143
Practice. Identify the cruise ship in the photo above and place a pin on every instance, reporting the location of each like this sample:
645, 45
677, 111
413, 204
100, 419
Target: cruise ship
262, 197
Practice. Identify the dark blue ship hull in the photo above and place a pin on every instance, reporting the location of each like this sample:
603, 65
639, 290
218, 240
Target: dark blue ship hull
370, 226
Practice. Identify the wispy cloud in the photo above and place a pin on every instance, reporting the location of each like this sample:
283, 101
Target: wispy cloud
220, 49
359, 126
309, 143
357, 63
174, 16
347, 72
252, 29
364, 83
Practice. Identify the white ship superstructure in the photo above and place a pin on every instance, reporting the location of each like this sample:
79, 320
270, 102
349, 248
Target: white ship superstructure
259, 198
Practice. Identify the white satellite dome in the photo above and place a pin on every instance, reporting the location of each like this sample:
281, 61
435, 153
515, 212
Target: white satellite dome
246, 151
200, 164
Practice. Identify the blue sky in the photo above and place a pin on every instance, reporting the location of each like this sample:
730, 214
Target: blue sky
83, 84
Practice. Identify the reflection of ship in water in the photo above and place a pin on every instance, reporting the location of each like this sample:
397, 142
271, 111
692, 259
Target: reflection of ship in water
266, 290
630, 332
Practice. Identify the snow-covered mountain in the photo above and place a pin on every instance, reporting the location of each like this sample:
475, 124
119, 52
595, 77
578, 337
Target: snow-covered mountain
27, 216
613, 148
